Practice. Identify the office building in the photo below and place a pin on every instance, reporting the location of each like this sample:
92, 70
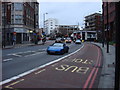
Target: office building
19, 20
67, 30
50, 25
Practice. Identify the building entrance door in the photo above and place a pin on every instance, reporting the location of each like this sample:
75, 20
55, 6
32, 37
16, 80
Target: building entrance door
18, 38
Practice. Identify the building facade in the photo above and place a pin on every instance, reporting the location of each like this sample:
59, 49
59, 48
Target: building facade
93, 22
85, 35
111, 19
0, 23
50, 25
67, 30
20, 19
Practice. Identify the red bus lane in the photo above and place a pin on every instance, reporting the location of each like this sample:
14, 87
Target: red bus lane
94, 72
80, 70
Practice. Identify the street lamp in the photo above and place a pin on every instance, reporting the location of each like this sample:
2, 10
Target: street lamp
9, 21
4, 37
103, 32
44, 21
107, 28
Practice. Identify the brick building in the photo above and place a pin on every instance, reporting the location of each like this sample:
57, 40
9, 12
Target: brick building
111, 19
0, 23
19, 20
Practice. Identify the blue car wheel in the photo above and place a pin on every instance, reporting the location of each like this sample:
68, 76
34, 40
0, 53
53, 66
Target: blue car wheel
67, 51
62, 52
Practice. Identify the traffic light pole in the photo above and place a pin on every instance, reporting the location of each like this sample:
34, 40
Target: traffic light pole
117, 62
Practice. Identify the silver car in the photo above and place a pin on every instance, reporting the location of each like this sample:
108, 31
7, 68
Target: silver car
78, 41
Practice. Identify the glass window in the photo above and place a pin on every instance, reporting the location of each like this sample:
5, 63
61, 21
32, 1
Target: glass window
58, 45
18, 16
18, 21
18, 6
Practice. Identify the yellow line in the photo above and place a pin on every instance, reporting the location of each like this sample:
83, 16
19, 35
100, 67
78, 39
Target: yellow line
40, 71
54, 64
9, 86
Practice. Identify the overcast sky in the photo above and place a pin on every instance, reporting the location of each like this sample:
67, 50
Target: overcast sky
68, 13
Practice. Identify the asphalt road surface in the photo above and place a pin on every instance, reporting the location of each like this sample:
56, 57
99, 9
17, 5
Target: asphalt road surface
80, 69
20, 60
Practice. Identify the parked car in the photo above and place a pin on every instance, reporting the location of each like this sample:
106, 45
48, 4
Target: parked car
57, 48
68, 40
63, 40
58, 40
78, 41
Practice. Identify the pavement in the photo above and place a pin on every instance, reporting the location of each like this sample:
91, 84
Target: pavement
107, 79
23, 45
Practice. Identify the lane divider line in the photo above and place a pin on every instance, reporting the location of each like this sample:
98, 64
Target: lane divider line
24, 52
34, 54
5, 60
42, 66
17, 55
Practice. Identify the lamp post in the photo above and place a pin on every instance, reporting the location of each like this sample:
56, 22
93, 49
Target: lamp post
107, 28
44, 21
4, 37
9, 21
103, 32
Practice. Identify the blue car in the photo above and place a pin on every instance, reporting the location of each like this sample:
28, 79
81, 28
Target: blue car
57, 48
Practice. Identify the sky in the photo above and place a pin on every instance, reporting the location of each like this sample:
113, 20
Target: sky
68, 13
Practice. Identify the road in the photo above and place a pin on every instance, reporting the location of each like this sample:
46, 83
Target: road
20, 60
77, 69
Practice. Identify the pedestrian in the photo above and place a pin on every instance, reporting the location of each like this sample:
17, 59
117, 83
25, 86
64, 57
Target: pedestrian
44, 40
13, 41
3, 44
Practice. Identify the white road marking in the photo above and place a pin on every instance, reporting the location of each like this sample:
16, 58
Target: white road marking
17, 55
42, 66
41, 49
24, 52
5, 60
33, 54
